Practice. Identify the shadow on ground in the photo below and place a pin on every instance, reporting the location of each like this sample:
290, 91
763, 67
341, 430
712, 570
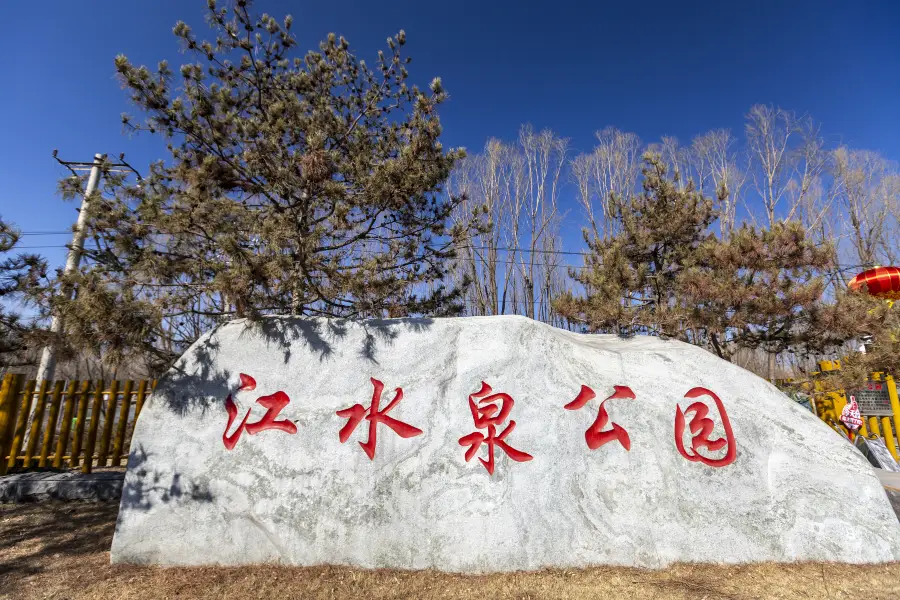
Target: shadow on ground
34, 536
62, 484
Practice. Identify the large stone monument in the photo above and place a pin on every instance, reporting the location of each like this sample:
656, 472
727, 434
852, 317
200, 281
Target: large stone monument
483, 444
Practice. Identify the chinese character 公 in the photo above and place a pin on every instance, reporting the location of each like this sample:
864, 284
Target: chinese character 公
596, 436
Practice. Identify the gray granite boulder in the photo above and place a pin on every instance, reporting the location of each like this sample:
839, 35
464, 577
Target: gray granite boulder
310, 442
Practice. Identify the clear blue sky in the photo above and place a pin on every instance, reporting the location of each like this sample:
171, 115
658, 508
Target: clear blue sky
653, 67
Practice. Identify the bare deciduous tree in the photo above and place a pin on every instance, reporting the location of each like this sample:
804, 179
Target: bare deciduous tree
769, 131
516, 187
809, 160
867, 187
538, 208
786, 158
892, 237
679, 161
486, 182
721, 175
606, 176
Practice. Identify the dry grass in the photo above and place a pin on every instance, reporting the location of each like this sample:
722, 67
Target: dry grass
54, 550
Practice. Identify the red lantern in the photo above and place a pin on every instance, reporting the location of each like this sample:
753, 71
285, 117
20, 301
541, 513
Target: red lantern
881, 282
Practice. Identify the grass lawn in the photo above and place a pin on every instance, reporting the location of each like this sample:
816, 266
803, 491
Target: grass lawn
61, 550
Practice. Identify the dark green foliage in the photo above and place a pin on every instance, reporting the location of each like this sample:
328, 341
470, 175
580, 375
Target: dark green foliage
19, 276
664, 273
634, 276
296, 185
760, 288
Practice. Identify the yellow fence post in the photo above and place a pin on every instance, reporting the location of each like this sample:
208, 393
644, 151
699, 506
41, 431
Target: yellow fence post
103, 451
21, 423
873, 426
122, 426
8, 405
80, 418
141, 396
37, 421
65, 426
895, 404
840, 401
889, 436
92, 430
52, 420
885, 427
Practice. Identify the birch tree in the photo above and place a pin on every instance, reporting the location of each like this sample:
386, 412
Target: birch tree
516, 188
485, 183
606, 176
867, 188
537, 209
722, 174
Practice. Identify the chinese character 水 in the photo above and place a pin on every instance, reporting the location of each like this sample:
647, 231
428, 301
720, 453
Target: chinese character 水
356, 413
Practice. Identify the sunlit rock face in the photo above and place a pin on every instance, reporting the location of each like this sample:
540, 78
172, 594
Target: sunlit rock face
483, 444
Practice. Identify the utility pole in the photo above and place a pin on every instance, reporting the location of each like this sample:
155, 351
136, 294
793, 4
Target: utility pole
47, 366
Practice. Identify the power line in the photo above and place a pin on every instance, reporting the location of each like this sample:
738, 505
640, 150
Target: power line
508, 262
529, 250
39, 247
498, 262
466, 247
499, 248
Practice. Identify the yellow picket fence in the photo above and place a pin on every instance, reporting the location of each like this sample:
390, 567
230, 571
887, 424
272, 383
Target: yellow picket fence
39, 419
829, 403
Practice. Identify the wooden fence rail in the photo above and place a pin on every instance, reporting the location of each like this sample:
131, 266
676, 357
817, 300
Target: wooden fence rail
32, 434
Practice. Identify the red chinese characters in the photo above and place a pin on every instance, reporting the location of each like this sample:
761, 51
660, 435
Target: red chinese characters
273, 405
488, 412
701, 427
356, 413
595, 435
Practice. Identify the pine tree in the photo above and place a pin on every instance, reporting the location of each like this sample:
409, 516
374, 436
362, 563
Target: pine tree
19, 274
295, 185
663, 272
760, 289
633, 277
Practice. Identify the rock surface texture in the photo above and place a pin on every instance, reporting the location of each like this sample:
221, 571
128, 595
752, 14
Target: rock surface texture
238, 456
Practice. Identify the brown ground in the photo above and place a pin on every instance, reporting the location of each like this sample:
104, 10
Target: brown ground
54, 550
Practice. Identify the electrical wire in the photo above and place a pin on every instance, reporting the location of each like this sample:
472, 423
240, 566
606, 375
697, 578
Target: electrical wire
499, 249
38, 247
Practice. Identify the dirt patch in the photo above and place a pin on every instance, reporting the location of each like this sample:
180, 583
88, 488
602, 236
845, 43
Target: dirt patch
61, 550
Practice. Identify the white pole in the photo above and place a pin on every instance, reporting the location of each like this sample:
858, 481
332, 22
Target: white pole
48, 357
